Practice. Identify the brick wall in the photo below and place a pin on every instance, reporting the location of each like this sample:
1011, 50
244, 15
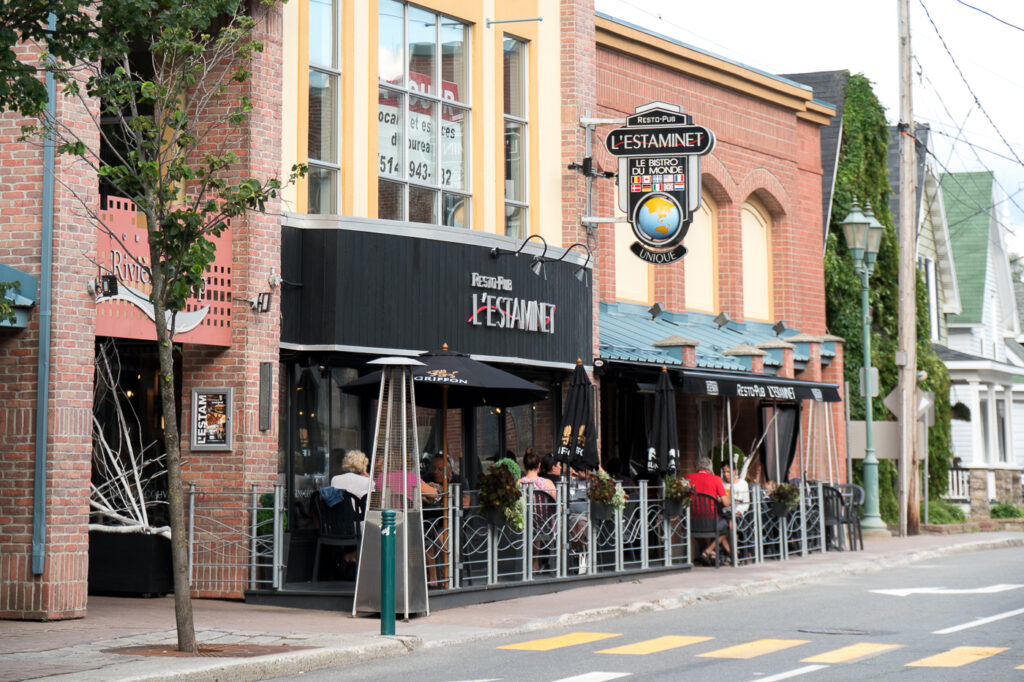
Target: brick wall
60, 592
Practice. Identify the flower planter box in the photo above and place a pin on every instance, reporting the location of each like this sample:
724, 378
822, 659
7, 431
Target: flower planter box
130, 564
779, 509
674, 508
495, 517
600, 512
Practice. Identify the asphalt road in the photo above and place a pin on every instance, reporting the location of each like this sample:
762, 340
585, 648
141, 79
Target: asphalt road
955, 618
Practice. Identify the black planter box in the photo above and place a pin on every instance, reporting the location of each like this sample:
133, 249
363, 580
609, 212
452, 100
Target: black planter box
129, 564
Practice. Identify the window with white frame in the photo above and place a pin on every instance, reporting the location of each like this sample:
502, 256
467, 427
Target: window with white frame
422, 116
324, 96
516, 139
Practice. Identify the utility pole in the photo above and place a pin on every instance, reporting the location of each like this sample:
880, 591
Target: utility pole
906, 355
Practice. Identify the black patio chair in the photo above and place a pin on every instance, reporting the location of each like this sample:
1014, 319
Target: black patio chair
853, 500
338, 525
707, 520
832, 501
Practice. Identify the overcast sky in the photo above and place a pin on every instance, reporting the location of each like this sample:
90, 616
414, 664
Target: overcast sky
792, 36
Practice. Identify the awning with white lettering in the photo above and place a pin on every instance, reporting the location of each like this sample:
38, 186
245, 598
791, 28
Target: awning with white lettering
727, 383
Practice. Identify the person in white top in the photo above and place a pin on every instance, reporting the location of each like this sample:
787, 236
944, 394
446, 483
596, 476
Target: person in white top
739, 491
355, 479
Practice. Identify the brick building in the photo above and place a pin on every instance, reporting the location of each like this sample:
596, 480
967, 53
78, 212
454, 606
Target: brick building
434, 159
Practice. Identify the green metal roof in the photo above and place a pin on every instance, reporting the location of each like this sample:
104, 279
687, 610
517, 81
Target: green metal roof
968, 199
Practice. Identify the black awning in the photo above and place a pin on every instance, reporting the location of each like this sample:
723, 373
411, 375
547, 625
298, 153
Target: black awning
726, 383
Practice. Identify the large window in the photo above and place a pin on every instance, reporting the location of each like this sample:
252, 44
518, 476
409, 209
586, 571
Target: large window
422, 116
515, 108
324, 77
757, 259
701, 262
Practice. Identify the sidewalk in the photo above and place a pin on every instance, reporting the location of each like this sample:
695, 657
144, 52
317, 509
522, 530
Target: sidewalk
310, 640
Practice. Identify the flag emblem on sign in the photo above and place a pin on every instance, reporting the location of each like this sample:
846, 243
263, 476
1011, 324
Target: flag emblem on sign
634, 188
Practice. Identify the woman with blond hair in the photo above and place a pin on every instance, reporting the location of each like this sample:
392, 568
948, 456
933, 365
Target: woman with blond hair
354, 479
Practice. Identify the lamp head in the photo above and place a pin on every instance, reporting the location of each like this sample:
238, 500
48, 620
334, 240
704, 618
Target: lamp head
855, 230
874, 237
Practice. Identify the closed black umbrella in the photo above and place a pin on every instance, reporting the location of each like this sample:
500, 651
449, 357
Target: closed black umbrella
577, 446
451, 380
663, 438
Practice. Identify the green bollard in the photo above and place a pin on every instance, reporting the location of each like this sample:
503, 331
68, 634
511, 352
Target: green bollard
387, 572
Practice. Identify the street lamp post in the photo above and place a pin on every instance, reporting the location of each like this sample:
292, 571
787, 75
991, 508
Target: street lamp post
863, 235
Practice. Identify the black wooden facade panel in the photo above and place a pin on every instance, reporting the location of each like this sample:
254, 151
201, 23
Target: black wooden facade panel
373, 290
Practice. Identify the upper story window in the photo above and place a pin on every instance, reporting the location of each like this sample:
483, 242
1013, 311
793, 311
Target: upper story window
701, 262
324, 79
515, 112
422, 116
757, 261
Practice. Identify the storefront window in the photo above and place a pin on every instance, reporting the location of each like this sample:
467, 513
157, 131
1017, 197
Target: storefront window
520, 424
421, 114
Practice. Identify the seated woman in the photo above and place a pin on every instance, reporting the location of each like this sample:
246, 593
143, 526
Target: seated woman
531, 475
354, 478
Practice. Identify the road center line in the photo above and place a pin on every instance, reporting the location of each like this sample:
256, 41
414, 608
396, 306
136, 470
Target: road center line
979, 621
594, 677
790, 673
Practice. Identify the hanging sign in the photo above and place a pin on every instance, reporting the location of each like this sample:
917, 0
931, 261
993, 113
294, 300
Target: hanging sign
659, 152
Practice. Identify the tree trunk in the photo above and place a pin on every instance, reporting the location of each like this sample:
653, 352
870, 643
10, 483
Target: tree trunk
175, 494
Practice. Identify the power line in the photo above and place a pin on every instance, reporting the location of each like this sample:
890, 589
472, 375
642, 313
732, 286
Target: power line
977, 101
1001, 21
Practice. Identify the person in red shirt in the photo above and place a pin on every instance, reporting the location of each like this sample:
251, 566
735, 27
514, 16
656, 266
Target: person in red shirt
706, 482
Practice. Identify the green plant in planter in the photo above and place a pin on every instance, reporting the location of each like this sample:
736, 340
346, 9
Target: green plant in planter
1005, 510
719, 455
787, 494
678, 489
603, 489
265, 515
500, 491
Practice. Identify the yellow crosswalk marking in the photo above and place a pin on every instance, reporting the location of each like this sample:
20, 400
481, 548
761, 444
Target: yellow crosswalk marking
653, 646
758, 647
851, 653
549, 643
959, 656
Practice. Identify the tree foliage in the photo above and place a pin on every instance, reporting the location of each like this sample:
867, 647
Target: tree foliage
862, 173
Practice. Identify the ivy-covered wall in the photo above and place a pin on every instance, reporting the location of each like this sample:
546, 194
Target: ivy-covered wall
862, 173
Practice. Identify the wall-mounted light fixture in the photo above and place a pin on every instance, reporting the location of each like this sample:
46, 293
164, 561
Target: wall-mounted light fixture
260, 303
537, 265
581, 272
779, 327
722, 319
656, 310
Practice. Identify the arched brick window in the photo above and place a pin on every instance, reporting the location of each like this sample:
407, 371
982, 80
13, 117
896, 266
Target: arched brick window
757, 261
701, 260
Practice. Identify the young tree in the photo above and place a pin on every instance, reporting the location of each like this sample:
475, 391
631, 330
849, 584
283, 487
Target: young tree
159, 70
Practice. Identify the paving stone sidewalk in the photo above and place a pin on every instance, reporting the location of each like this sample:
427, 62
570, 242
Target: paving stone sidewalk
310, 639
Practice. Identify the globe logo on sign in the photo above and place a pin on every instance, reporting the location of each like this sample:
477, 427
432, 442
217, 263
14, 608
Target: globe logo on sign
658, 219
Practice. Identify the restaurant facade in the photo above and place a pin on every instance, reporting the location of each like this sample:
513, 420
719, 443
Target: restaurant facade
457, 195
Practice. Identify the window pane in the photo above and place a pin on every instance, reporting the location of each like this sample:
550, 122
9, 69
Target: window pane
390, 200
321, 33
514, 188
454, 122
390, 133
422, 141
322, 140
421, 205
422, 50
455, 210
390, 38
454, 78
515, 219
515, 99
323, 188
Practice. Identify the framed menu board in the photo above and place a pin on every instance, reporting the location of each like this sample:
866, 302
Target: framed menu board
211, 418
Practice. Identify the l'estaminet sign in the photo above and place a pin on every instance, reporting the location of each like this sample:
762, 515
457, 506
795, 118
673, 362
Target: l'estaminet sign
659, 152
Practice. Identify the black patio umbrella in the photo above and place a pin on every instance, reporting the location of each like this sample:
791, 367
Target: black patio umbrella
450, 380
577, 445
663, 438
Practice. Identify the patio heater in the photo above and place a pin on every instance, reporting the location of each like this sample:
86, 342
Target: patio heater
395, 474
863, 235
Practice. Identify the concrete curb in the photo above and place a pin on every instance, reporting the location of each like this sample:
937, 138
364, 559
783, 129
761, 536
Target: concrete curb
327, 655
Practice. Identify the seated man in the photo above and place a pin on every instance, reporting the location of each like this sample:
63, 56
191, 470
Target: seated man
704, 481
